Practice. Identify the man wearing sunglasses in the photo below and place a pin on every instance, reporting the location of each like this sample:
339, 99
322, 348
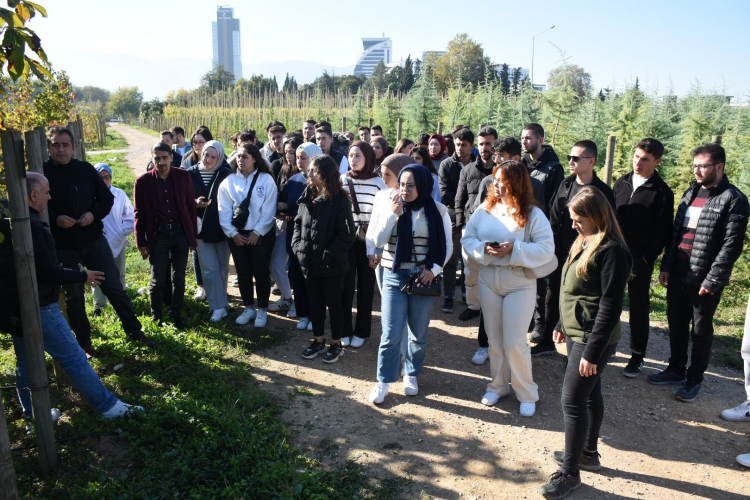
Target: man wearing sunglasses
707, 238
581, 161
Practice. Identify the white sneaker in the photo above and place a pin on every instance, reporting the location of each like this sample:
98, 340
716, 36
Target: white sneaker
491, 398
346, 341
247, 315
218, 315
292, 312
303, 322
481, 356
528, 409
309, 326
275, 290
200, 293
410, 386
739, 413
744, 459
377, 395
280, 305
357, 341
120, 409
261, 318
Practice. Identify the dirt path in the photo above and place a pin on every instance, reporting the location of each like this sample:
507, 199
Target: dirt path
139, 146
452, 447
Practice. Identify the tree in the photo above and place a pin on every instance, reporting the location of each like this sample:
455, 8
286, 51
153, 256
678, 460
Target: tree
378, 81
422, 106
408, 80
91, 94
505, 79
465, 57
217, 80
125, 101
152, 109
573, 75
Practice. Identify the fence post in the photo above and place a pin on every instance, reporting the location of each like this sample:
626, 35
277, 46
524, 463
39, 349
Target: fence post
23, 253
610, 160
440, 128
399, 129
8, 486
82, 136
343, 124
716, 139
370, 123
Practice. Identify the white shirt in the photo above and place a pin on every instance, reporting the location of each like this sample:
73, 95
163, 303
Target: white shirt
381, 203
233, 191
119, 223
344, 167
639, 181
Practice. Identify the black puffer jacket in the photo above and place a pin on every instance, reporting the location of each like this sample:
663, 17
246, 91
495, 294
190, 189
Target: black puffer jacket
449, 176
323, 232
469, 184
548, 170
718, 237
211, 231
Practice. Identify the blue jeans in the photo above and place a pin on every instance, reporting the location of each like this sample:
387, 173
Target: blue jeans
398, 310
60, 343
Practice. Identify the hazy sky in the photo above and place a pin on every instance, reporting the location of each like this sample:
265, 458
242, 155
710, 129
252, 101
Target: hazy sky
663, 43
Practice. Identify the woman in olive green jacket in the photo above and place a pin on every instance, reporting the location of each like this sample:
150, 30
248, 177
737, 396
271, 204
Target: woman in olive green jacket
591, 294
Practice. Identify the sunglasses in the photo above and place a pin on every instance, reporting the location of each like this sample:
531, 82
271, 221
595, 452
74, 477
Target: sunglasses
576, 159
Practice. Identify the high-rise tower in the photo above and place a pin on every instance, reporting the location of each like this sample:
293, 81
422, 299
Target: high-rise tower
226, 35
375, 50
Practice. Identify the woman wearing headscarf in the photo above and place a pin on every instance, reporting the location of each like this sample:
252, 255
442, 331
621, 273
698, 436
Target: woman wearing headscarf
422, 157
287, 207
252, 245
438, 148
362, 184
118, 224
380, 146
213, 250
415, 232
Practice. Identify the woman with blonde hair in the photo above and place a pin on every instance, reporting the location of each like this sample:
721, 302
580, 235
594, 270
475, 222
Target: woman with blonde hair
505, 236
591, 293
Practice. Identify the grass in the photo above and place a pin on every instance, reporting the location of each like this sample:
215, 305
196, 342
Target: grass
145, 129
113, 141
208, 431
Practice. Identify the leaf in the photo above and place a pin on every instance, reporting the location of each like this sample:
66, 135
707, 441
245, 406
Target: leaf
41, 71
8, 17
38, 8
23, 11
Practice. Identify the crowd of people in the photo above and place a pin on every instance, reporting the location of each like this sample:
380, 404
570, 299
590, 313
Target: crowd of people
540, 257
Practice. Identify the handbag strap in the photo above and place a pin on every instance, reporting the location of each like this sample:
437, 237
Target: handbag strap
353, 196
246, 202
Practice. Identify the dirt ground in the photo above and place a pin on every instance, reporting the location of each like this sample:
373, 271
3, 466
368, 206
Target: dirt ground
450, 446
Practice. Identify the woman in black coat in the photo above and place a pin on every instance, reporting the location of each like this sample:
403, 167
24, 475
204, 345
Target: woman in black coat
323, 233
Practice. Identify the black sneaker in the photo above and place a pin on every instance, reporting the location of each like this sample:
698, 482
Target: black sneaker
179, 324
589, 463
559, 485
535, 337
314, 349
468, 314
543, 349
335, 351
666, 378
689, 392
634, 367
98, 311
448, 305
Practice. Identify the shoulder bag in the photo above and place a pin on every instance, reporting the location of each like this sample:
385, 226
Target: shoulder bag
362, 229
242, 212
535, 273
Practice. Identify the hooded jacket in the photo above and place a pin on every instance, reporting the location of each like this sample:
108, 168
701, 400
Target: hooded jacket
469, 184
548, 170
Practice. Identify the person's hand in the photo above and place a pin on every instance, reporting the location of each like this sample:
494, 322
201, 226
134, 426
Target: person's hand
558, 337
239, 240
504, 249
397, 205
253, 238
374, 260
586, 369
705, 291
202, 203
664, 279
144, 252
86, 219
94, 278
425, 279
65, 222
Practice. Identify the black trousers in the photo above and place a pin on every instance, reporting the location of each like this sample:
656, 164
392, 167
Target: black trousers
325, 292
582, 405
451, 267
363, 275
254, 261
169, 250
299, 287
97, 256
539, 309
482, 335
552, 304
639, 288
683, 306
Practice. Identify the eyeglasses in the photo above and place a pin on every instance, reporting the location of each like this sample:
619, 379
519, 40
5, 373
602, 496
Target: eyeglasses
703, 167
407, 186
576, 159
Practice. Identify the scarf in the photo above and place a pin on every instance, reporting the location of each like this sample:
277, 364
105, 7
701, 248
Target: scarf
367, 171
396, 162
383, 146
103, 166
219, 148
405, 242
443, 145
311, 150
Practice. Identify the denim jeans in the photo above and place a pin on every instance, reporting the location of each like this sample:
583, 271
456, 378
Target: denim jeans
379, 272
215, 272
399, 310
60, 343
170, 243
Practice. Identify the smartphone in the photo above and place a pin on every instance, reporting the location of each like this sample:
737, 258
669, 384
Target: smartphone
494, 244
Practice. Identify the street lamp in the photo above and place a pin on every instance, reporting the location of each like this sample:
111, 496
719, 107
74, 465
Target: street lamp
532, 53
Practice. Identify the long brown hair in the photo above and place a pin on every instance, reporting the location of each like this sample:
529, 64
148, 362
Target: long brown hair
260, 162
517, 181
591, 203
328, 171
204, 132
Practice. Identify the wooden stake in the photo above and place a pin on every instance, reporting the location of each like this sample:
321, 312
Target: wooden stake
23, 253
610, 160
716, 139
399, 129
8, 486
440, 128
343, 124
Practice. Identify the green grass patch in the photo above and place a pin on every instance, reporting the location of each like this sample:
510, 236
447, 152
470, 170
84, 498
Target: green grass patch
208, 431
113, 141
146, 130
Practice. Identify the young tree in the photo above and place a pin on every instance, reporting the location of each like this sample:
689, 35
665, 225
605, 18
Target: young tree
422, 106
217, 80
125, 101
505, 79
465, 57
573, 75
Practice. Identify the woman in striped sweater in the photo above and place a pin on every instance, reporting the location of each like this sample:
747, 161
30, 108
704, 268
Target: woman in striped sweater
362, 185
415, 232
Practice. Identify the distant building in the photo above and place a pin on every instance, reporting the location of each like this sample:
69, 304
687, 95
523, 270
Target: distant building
523, 72
375, 50
436, 53
226, 36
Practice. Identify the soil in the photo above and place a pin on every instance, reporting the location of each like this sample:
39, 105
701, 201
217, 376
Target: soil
447, 445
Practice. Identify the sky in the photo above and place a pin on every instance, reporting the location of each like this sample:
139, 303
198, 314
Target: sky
162, 46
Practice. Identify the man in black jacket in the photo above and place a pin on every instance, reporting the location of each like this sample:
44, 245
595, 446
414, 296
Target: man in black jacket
324, 139
707, 239
581, 160
80, 200
448, 178
58, 339
645, 211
